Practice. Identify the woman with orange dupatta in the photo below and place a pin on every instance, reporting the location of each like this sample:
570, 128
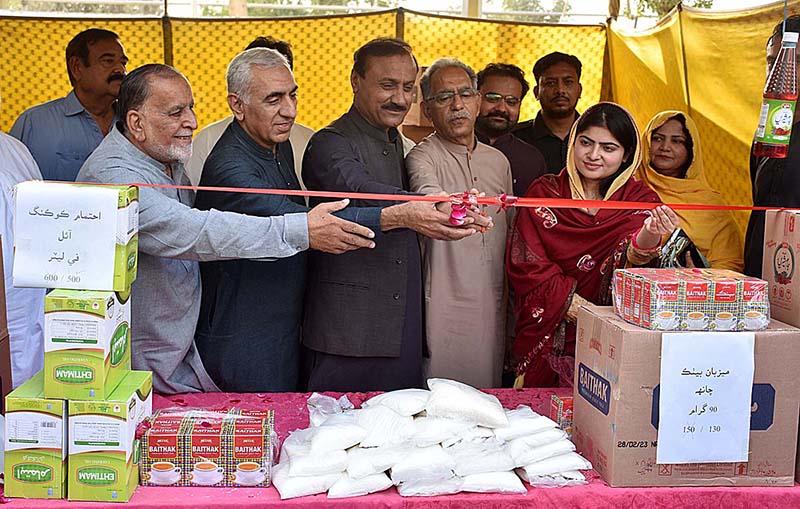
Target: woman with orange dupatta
560, 258
672, 167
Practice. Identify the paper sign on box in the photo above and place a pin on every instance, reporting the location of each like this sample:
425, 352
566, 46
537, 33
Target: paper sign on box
74, 236
706, 388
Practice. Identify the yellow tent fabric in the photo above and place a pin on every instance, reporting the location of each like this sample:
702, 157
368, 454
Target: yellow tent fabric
710, 65
33, 65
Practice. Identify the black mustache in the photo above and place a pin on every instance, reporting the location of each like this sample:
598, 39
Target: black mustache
500, 114
394, 107
116, 76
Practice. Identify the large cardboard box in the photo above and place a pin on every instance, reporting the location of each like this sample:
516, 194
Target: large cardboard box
86, 343
36, 442
103, 448
617, 370
779, 268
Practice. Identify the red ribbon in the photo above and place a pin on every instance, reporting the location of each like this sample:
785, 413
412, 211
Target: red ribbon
504, 201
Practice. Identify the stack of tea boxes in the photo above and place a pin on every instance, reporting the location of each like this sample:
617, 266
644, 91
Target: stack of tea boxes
617, 376
71, 429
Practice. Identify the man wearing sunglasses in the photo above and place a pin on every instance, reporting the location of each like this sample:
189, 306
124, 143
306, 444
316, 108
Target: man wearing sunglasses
464, 280
502, 88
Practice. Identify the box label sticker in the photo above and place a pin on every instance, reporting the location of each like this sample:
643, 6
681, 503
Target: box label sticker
594, 388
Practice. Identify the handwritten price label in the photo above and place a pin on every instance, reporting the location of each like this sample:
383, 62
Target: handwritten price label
706, 384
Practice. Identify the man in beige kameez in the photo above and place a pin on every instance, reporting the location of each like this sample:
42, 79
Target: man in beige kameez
463, 281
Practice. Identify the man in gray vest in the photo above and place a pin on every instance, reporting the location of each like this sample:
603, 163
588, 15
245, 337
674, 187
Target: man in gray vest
363, 326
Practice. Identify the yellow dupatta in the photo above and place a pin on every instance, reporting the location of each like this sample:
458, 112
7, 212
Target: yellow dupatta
575, 184
714, 232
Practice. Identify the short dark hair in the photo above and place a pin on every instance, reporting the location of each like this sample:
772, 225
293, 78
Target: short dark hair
507, 70
282, 47
381, 47
792, 25
612, 117
551, 59
135, 88
79, 46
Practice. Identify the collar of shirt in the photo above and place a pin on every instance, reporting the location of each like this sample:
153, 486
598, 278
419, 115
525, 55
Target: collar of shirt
370, 130
249, 142
72, 106
540, 129
455, 148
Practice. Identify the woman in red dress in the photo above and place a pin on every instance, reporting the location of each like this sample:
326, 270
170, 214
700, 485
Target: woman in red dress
560, 258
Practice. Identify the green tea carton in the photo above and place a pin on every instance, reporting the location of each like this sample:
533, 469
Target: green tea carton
103, 449
35, 443
76, 236
86, 343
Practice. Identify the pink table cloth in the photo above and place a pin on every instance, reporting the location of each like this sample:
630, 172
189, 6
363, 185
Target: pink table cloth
291, 413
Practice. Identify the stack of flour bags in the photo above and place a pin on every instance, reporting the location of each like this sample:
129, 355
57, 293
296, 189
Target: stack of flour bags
449, 439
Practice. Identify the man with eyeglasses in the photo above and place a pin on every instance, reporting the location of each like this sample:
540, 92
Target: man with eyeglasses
464, 280
558, 89
502, 88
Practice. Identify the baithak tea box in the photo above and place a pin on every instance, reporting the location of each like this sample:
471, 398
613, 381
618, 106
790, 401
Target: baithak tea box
103, 449
35, 442
691, 299
209, 448
616, 412
87, 343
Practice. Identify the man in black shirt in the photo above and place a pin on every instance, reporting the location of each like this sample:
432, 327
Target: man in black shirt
558, 89
776, 182
502, 88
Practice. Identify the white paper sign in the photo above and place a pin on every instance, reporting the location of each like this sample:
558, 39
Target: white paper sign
64, 236
706, 391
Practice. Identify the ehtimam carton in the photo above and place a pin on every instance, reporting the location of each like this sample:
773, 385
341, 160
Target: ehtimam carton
103, 449
35, 443
87, 343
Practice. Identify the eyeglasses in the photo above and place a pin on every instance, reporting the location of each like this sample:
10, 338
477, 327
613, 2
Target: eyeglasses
494, 98
448, 96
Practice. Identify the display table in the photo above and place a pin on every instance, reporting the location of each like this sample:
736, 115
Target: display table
291, 414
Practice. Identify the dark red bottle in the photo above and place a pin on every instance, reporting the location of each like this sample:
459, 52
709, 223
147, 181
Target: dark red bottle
780, 95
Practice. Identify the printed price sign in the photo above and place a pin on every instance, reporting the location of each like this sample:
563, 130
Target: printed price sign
704, 407
65, 235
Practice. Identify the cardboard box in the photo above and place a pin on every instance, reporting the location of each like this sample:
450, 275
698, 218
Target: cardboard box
103, 449
561, 411
86, 343
691, 299
209, 448
617, 370
36, 442
80, 237
779, 269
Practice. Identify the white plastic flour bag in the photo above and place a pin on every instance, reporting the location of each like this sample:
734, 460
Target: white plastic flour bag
364, 462
558, 480
329, 462
384, 426
405, 402
424, 463
424, 488
493, 482
435, 430
477, 458
291, 487
523, 421
562, 463
536, 454
460, 401
338, 436
347, 487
